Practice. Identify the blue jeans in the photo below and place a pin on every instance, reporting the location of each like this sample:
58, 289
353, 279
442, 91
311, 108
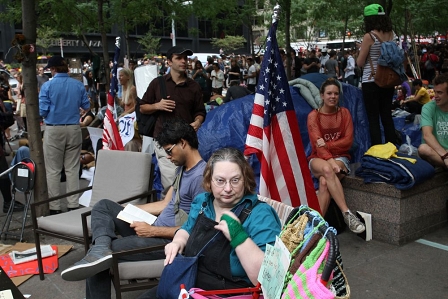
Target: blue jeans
105, 223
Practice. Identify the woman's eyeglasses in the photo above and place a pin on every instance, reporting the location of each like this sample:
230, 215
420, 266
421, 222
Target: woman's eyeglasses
221, 183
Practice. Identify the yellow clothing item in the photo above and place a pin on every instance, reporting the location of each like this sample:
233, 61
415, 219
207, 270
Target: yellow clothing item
386, 151
424, 96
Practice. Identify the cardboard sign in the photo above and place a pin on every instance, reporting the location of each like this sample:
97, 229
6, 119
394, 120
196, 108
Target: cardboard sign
273, 269
50, 265
126, 127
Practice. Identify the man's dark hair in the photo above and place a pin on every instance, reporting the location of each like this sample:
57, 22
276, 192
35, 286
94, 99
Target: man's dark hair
417, 82
62, 68
234, 83
440, 79
176, 129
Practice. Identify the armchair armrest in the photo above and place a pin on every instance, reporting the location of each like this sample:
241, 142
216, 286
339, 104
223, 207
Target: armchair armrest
38, 203
117, 255
34, 205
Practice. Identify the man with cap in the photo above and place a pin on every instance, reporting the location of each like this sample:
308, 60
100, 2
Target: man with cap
184, 100
59, 103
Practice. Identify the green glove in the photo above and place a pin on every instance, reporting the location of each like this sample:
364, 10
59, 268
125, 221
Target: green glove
236, 231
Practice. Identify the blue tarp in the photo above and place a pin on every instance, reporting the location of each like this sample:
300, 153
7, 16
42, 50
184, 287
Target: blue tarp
227, 125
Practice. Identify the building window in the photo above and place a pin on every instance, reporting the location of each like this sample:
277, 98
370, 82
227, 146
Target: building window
322, 33
205, 29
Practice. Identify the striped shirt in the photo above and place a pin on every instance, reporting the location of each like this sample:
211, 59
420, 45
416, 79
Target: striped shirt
374, 54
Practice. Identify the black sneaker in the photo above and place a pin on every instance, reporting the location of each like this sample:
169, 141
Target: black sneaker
55, 212
17, 207
98, 258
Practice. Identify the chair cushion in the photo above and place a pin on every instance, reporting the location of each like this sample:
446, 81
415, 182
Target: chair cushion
283, 210
116, 170
68, 223
141, 269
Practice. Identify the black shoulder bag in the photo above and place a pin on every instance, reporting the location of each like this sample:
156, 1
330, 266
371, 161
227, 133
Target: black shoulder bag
147, 122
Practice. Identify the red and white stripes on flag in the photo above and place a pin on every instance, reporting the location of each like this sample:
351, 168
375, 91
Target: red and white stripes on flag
111, 136
274, 135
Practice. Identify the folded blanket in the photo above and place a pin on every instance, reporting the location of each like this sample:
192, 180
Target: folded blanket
399, 172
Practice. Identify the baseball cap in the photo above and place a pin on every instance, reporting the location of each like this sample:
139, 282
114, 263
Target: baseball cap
178, 50
373, 10
56, 61
324, 50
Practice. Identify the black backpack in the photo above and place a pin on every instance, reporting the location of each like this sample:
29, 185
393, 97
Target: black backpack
147, 122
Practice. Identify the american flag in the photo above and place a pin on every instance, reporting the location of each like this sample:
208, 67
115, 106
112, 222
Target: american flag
274, 135
111, 136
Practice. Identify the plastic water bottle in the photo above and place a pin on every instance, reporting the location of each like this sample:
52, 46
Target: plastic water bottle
183, 292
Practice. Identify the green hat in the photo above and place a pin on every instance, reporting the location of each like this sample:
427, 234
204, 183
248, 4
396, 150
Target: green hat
373, 10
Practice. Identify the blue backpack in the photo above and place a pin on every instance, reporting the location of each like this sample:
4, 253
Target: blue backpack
391, 57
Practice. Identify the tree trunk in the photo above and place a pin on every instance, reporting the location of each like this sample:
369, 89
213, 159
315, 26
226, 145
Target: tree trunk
29, 22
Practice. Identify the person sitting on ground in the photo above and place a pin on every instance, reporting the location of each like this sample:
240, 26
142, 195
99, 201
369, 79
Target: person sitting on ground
434, 147
86, 117
180, 142
236, 91
229, 181
331, 135
414, 104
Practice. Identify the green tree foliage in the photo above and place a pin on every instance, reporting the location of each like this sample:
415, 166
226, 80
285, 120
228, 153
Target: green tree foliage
229, 43
149, 43
45, 35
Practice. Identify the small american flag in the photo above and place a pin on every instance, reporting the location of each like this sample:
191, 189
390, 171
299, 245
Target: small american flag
111, 136
274, 135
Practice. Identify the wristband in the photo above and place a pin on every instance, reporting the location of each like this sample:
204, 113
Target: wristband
236, 231
444, 156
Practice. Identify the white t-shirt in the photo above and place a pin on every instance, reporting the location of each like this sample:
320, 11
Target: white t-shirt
252, 71
218, 79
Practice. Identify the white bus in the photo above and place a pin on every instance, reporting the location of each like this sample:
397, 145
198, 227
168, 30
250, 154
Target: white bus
337, 44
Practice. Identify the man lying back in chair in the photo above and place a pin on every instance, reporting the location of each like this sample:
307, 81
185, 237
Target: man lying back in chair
180, 142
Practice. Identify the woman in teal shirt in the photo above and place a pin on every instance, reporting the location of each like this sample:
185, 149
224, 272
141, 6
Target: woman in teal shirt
234, 259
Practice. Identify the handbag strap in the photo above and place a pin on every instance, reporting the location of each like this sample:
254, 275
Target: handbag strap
372, 70
176, 187
242, 212
162, 86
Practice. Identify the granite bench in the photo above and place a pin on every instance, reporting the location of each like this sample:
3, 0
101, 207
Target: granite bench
399, 216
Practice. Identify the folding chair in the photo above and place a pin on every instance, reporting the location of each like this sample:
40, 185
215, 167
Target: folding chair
22, 178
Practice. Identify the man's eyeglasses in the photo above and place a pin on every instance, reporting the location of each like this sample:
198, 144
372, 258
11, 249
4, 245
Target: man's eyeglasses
168, 151
221, 183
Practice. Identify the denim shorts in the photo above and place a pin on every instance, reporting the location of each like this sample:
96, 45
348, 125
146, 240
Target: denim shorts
344, 160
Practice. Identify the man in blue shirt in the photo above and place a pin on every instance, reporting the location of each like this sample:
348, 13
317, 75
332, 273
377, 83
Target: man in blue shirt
59, 103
